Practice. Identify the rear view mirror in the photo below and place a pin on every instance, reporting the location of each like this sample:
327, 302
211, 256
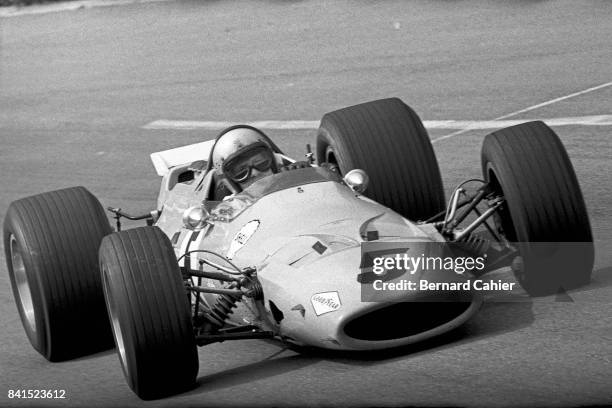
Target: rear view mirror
357, 180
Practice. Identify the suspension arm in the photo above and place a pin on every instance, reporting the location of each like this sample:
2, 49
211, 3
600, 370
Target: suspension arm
231, 292
482, 218
473, 203
187, 272
486, 224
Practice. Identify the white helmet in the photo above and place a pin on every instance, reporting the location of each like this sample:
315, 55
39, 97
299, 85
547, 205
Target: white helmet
243, 154
233, 141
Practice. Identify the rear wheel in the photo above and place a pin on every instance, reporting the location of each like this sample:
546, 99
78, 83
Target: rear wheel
386, 139
544, 212
51, 244
149, 312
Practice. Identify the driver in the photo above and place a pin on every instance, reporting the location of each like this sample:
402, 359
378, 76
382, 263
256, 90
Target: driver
243, 155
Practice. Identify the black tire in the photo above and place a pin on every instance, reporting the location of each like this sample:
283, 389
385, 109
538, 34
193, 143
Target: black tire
51, 245
149, 311
387, 139
544, 211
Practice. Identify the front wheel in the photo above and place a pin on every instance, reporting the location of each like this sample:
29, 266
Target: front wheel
51, 243
544, 211
149, 312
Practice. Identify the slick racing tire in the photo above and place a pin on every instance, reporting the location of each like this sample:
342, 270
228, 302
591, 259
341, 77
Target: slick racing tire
51, 245
544, 211
387, 139
149, 312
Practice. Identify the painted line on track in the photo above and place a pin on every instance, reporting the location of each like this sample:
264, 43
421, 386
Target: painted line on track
164, 124
262, 124
530, 108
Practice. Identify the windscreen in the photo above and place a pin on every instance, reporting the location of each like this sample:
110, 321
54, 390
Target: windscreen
233, 206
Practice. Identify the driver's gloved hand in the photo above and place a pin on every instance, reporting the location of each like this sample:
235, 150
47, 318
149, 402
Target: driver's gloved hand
295, 166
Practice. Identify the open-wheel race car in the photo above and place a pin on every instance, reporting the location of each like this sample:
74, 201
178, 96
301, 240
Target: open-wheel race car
283, 258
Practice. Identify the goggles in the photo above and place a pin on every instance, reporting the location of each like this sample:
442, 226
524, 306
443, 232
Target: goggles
239, 165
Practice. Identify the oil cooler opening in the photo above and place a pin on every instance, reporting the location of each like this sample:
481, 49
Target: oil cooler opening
405, 319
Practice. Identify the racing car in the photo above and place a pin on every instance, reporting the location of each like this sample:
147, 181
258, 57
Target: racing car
287, 257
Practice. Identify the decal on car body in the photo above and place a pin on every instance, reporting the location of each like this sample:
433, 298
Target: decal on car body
325, 302
241, 238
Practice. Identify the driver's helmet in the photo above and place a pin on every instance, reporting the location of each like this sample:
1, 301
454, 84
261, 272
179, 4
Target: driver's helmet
243, 155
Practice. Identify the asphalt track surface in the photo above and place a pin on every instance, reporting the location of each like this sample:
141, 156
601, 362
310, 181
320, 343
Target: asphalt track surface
77, 88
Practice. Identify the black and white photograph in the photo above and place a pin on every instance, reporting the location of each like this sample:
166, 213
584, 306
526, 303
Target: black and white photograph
320, 203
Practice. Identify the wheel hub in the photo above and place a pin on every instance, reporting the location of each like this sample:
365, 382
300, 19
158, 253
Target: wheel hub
23, 286
114, 318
